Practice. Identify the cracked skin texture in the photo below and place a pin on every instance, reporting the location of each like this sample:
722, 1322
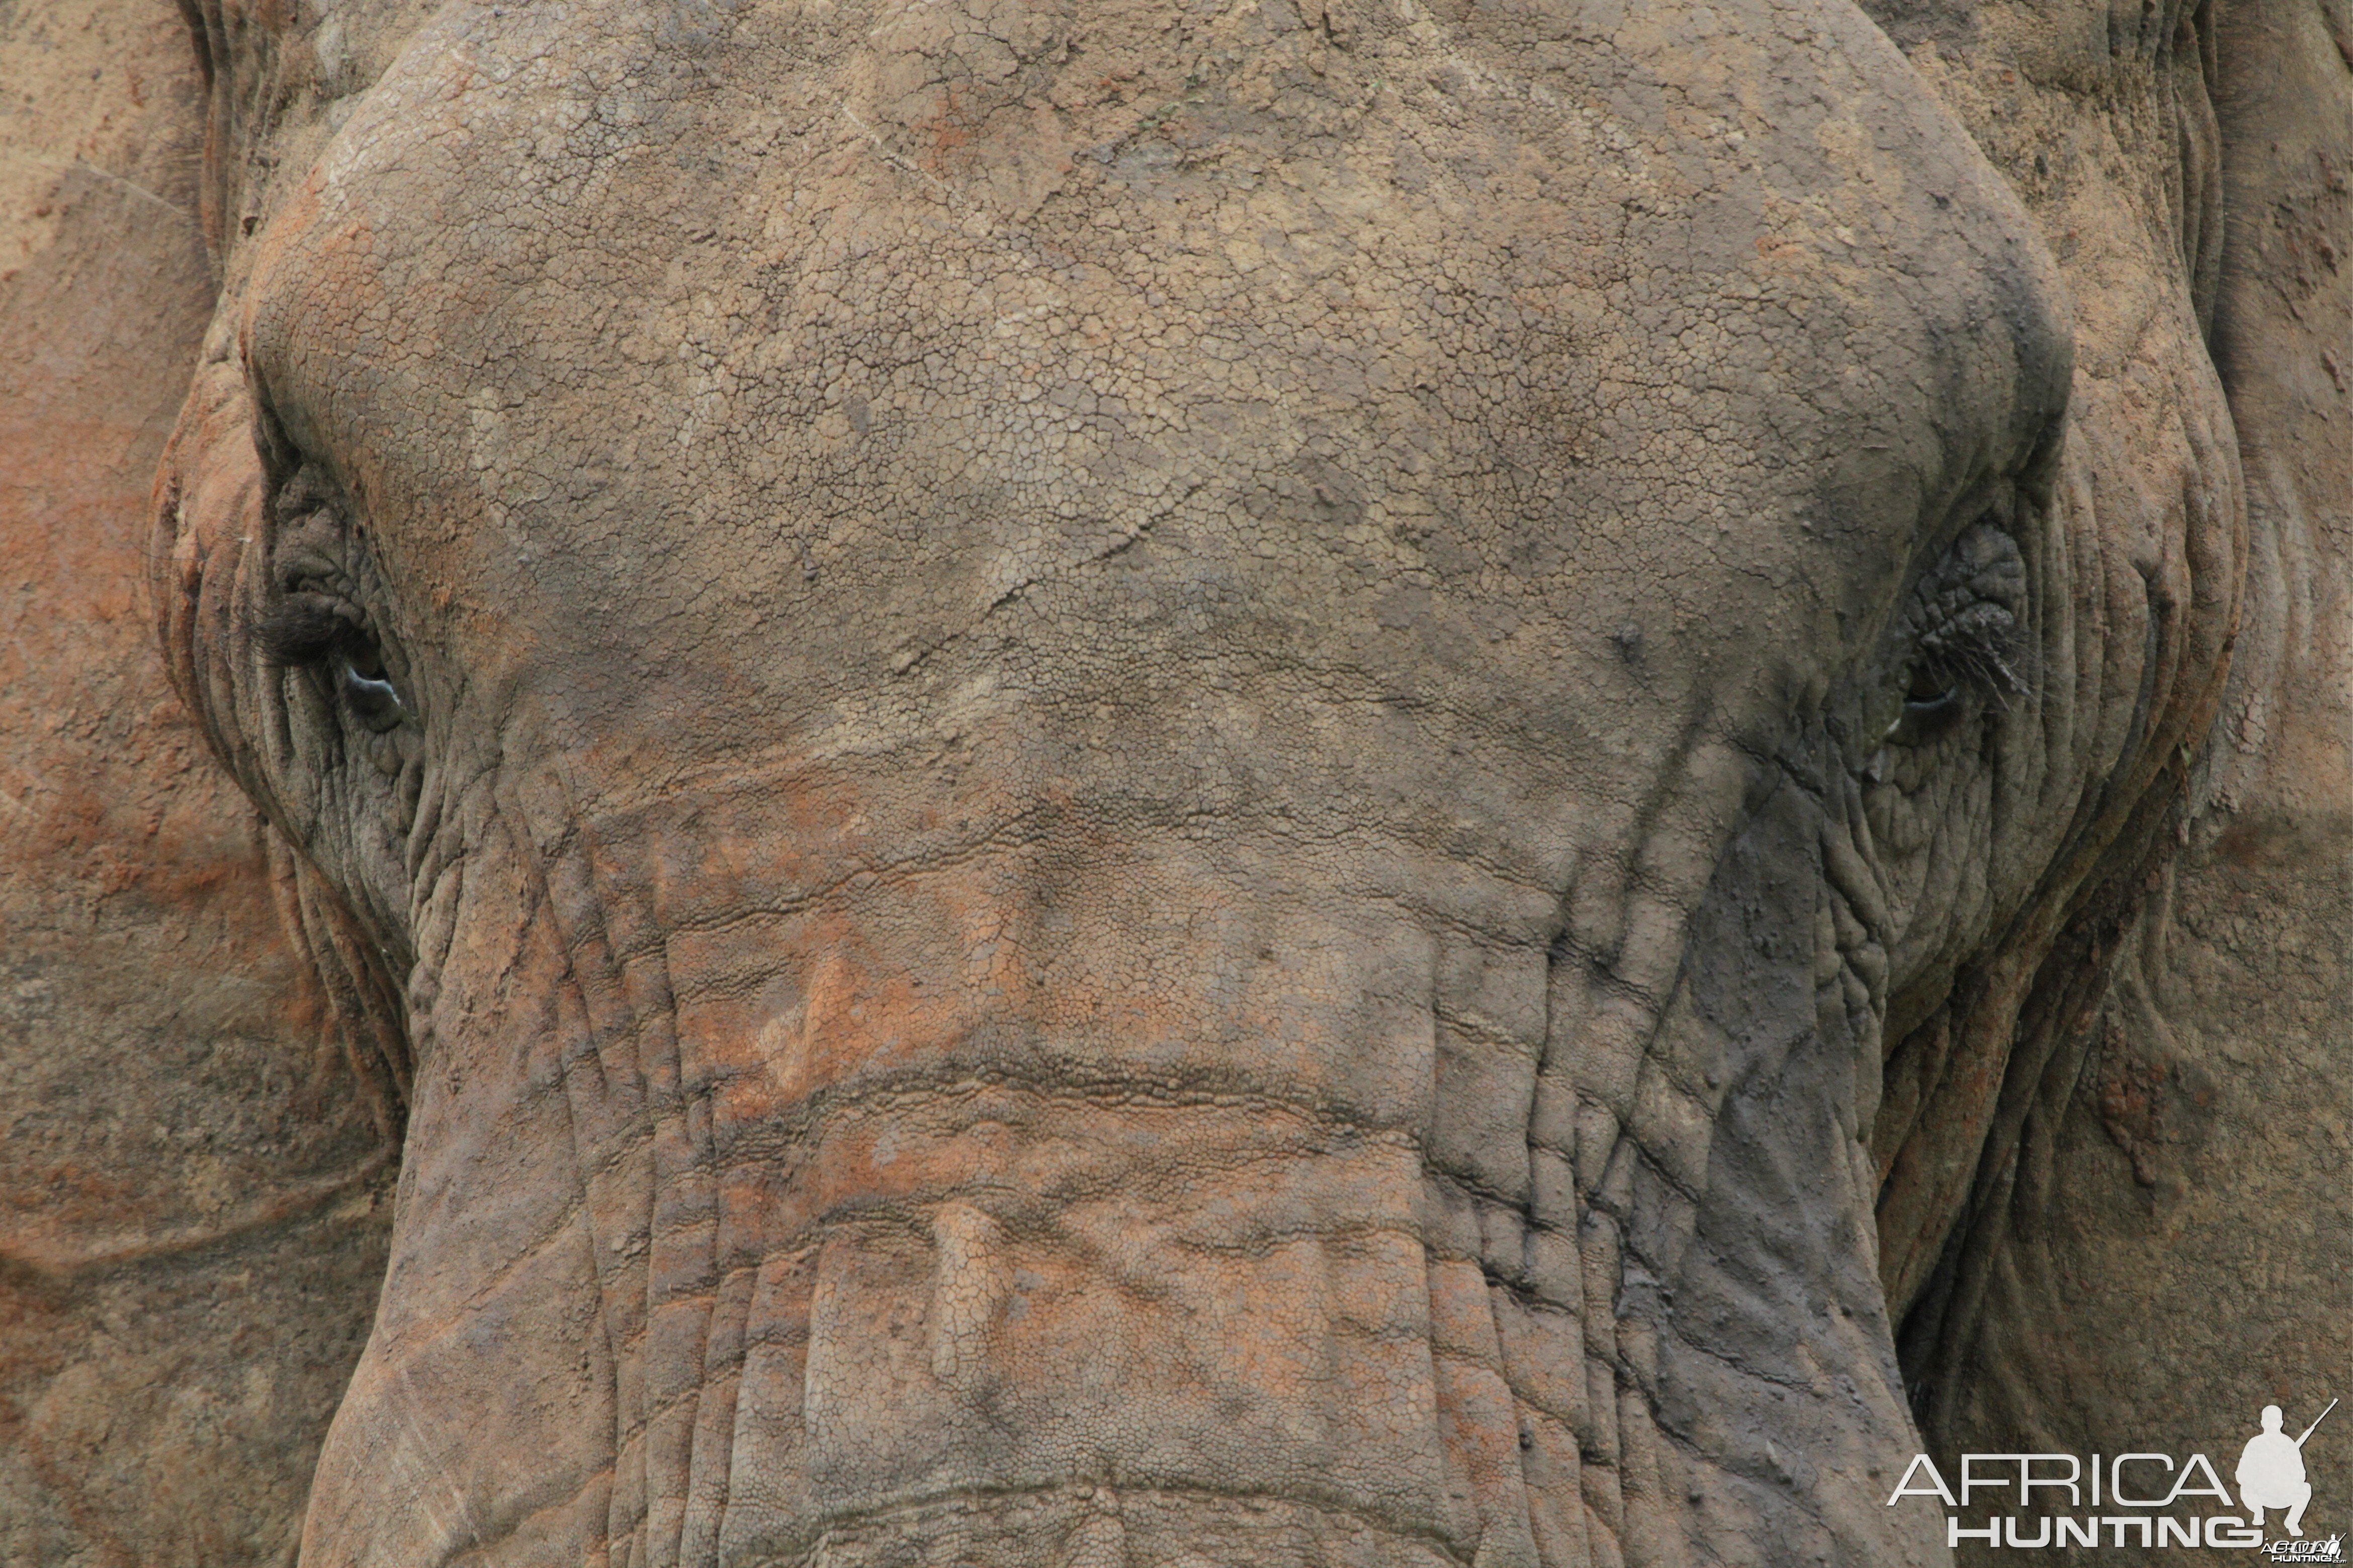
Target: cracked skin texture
1159, 804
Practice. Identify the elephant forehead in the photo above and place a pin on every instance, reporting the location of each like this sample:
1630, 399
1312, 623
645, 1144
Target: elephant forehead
896, 318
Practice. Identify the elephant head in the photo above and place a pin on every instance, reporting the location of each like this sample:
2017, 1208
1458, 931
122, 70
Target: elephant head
1239, 783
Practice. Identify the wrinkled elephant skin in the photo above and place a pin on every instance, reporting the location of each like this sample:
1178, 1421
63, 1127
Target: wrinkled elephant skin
1256, 784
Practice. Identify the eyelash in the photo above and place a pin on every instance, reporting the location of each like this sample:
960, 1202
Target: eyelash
1976, 648
305, 632
1965, 640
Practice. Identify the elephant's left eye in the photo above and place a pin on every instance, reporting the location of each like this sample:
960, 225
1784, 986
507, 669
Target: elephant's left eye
1962, 626
1932, 701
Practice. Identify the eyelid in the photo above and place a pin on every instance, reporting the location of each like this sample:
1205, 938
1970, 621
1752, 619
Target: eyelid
1976, 647
308, 629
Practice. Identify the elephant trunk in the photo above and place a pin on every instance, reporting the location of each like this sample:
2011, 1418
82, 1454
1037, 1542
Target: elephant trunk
1035, 1188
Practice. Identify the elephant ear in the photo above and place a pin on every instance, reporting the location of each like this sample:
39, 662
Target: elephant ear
209, 575
208, 516
194, 1190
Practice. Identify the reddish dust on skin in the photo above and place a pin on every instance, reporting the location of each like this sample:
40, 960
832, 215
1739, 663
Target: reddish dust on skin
187, 1245
952, 1253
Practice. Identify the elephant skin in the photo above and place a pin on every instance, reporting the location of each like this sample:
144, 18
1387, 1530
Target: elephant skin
1256, 783
195, 1168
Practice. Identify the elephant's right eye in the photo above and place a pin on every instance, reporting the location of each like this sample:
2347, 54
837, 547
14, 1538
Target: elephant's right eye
312, 631
368, 693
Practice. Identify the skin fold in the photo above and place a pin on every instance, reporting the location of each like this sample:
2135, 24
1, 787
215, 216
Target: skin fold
1270, 782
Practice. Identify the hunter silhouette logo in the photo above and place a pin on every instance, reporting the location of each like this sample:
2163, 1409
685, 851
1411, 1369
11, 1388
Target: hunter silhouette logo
2145, 1500
2271, 1471
2270, 1475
